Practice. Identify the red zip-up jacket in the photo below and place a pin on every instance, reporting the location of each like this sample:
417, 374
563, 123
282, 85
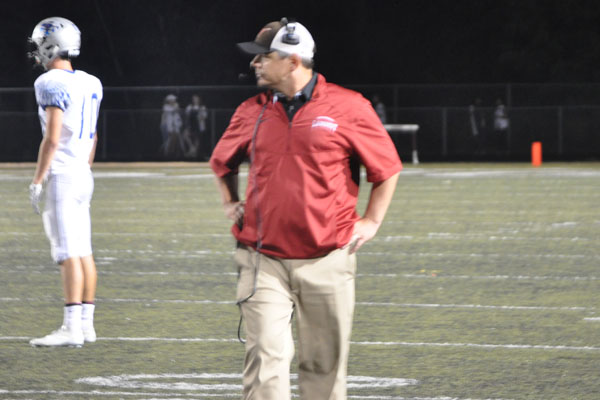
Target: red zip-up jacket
303, 182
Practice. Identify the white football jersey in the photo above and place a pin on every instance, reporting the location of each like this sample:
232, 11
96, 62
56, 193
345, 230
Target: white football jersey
78, 94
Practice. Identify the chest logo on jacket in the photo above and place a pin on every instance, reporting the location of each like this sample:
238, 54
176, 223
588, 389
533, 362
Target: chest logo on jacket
325, 122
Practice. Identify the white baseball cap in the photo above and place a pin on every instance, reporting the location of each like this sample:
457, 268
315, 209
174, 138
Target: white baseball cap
288, 37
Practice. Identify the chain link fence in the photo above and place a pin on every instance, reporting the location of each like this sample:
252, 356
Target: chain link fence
565, 118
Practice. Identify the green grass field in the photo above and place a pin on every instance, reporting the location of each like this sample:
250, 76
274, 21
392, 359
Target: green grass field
483, 283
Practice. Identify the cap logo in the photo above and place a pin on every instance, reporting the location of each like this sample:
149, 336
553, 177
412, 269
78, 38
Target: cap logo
263, 30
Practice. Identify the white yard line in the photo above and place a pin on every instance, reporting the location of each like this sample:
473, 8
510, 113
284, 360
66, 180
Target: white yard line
193, 396
492, 237
476, 306
358, 303
26, 249
86, 394
480, 345
360, 343
482, 255
433, 274
443, 173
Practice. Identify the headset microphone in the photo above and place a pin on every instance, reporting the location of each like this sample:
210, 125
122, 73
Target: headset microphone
247, 77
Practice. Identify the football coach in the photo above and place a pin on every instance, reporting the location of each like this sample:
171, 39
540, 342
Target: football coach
298, 228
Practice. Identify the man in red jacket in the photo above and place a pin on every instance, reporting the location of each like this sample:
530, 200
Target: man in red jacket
298, 228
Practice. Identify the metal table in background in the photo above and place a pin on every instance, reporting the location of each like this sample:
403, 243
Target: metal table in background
409, 129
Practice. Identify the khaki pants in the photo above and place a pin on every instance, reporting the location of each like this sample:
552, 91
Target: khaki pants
320, 292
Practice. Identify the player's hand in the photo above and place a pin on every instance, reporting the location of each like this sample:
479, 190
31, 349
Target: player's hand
35, 195
235, 211
365, 229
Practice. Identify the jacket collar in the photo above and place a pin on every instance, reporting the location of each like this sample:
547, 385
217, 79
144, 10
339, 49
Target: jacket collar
303, 95
317, 85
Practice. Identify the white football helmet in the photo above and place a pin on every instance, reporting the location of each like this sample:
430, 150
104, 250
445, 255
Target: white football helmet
53, 37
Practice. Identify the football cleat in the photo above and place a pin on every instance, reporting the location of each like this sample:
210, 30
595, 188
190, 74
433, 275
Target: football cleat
89, 335
60, 337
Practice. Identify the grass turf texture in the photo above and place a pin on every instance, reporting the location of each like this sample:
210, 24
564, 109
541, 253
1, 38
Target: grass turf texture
482, 283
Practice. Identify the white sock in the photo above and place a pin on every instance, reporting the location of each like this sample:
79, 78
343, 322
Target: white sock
87, 315
72, 317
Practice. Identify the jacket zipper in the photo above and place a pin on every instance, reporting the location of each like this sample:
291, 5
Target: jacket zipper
289, 136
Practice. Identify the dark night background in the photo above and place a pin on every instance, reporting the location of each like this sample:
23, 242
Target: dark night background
187, 42
427, 59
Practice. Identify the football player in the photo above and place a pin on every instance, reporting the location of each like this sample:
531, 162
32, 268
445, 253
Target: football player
68, 104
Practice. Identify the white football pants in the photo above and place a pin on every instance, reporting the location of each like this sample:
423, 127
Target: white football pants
67, 215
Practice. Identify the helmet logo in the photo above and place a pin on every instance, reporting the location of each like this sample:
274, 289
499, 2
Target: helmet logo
48, 28
55, 37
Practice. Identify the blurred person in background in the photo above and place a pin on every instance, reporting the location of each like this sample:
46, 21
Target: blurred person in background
501, 127
195, 121
379, 108
478, 124
170, 127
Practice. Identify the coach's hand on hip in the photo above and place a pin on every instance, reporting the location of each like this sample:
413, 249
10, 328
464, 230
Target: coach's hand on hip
379, 201
364, 230
234, 210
